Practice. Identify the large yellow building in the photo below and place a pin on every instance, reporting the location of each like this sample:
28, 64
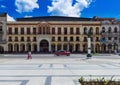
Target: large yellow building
49, 34
52, 33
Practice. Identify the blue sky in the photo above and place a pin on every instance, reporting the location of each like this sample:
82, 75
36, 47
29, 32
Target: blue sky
74, 8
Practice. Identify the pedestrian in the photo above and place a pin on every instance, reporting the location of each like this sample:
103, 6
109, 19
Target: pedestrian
30, 55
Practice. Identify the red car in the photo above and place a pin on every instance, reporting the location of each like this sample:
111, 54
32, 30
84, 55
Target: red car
62, 52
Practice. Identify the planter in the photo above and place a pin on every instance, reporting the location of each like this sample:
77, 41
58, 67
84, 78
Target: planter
100, 83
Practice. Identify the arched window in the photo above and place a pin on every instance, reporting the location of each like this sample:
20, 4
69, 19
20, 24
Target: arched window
85, 30
10, 38
109, 30
16, 48
97, 30
91, 30
115, 30
10, 48
103, 29
77, 30
16, 38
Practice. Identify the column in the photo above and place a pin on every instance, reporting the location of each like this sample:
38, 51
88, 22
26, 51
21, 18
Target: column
25, 30
49, 47
13, 30
55, 47
89, 47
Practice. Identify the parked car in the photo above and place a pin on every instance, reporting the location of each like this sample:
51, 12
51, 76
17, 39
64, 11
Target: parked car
62, 52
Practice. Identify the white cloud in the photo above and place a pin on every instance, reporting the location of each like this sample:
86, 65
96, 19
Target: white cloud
3, 6
26, 5
9, 18
28, 16
67, 8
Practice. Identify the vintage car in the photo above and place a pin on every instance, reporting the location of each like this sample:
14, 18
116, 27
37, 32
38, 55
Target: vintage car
62, 52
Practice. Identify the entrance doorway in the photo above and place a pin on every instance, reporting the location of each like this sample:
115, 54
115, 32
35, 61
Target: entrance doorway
44, 46
1, 49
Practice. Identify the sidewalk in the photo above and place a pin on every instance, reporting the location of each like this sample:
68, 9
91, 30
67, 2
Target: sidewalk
56, 70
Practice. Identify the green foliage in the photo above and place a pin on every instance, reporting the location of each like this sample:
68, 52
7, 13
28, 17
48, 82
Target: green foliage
98, 81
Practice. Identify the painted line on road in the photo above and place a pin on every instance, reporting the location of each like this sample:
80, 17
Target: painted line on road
48, 80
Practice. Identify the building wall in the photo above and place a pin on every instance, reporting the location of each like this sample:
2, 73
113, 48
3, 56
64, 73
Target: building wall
112, 37
3, 21
52, 40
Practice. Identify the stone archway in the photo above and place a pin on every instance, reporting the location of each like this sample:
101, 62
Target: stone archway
44, 46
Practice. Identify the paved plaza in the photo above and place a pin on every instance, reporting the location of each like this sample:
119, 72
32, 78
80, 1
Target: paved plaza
47, 69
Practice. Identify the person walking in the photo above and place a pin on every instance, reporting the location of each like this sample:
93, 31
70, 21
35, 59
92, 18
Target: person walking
29, 55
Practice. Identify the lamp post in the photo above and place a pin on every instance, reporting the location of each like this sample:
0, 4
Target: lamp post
89, 55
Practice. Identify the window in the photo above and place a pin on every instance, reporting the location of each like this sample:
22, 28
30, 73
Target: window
0, 28
10, 39
97, 38
103, 29
91, 30
77, 31
22, 38
85, 39
71, 30
91, 38
97, 30
71, 38
59, 38
53, 30
28, 30
109, 38
34, 30
34, 39
53, 38
16, 38
9, 30
115, 30
85, 30
115, 38
77, 39
16, 30
40, 30
48, 30
109, 30
22, 30
28, 39
65, 30
65, 39
59, 30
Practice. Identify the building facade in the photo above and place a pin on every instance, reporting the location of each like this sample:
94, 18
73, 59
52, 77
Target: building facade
110, 36
49, 34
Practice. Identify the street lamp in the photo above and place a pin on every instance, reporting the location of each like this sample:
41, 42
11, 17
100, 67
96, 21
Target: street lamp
89, 55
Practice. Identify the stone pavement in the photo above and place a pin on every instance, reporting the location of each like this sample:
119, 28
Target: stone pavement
56, 70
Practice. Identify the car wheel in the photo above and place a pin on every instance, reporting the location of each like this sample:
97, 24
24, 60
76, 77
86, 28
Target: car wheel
68, 55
